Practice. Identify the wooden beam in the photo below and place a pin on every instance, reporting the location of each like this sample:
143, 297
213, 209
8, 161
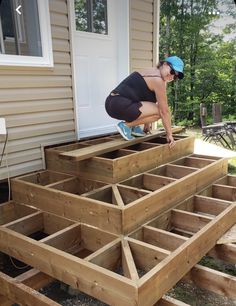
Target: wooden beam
11, 211
136, 213
173, 171
131, 194
70, 206
188, 221
146, 256
68, 239
212, 280
154, 182
45, 177
117, 199
194, 162
53, 223
94, 238
162, 277
22, 294
224, 192
225, 252
209, 205
163, 239
27, 225
128, 265
85, 153
33, 279
80, 274
108, 256
169, 301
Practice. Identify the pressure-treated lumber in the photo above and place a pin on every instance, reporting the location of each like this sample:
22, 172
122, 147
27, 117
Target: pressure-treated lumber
140, 205
85, 153
33, 279
23, 294
212, 280
147, 207
117, 165
143, 250
169, 301
83, 274
11, 211
80, 274
181, 260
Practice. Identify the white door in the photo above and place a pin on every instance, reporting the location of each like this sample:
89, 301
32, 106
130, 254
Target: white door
101, 60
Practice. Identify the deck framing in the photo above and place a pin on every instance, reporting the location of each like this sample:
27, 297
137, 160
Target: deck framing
123, 239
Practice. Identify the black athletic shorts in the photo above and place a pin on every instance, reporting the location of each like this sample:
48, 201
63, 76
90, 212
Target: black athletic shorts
121, 108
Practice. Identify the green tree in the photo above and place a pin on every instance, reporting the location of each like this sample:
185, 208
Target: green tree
209, 59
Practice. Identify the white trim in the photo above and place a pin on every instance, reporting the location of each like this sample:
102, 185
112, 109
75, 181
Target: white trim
45, 31
156, 26
71, 17
72, 44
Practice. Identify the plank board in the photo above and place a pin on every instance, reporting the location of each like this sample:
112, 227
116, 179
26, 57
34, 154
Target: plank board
85, 153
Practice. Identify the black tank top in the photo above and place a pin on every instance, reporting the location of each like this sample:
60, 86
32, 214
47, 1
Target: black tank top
135, 88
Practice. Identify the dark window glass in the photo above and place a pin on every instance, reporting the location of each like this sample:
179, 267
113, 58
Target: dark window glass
91, 16
20, 33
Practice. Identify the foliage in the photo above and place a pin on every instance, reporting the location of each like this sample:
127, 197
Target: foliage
187, 30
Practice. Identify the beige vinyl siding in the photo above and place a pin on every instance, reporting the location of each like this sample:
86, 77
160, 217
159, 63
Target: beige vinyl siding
141, 34
38, 103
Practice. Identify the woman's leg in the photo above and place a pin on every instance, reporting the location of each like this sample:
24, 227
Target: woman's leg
149, 113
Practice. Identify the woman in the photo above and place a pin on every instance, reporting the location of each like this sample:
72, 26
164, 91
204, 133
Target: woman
141, 99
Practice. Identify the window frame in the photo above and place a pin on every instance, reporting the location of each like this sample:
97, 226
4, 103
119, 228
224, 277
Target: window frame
46, 60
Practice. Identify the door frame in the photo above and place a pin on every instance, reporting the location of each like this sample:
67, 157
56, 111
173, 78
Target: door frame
123, 51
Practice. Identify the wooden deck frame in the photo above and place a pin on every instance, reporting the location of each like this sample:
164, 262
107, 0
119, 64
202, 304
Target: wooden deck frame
120, 161
94, 273
104, 207
111, 143
130, 268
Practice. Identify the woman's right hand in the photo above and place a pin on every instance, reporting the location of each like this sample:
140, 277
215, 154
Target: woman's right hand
171, 141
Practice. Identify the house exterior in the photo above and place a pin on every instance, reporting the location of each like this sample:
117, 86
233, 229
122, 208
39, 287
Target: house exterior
55, 76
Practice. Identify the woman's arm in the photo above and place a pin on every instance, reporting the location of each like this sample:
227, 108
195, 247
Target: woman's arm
160, 91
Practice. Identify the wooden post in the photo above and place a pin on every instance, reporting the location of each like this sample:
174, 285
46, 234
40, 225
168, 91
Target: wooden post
217, 112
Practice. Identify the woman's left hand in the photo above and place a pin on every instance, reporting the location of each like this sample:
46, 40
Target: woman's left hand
147, 128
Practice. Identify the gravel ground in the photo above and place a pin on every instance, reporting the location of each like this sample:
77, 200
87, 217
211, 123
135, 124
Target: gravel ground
184, 292
58, 292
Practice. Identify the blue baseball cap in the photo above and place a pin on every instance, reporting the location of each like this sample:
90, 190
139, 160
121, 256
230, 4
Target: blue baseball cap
177, 64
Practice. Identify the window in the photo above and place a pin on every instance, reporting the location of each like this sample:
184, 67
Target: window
25, 34
91, 16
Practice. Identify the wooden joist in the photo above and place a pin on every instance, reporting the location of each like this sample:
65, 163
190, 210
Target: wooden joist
177, 264
97, 267
87, 222
17, 291
123, 208
119, 164
212, 280
98, 149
